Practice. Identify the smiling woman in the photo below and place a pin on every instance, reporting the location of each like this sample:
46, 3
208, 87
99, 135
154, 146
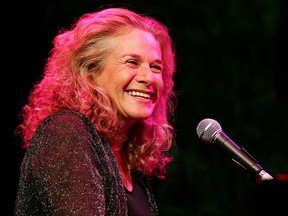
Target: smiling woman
132, 76
97, 127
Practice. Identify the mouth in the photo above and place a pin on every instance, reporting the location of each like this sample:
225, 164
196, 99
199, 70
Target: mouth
140, 94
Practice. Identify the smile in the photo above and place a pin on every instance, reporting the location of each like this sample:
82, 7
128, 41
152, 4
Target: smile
139, 94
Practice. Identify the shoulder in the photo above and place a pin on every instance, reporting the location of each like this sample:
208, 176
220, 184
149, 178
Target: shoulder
66, 117
65, 127
65, 120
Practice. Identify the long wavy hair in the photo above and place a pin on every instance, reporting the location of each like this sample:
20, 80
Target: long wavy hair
67, 83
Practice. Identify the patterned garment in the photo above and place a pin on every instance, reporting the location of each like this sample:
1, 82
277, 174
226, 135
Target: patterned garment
68, 169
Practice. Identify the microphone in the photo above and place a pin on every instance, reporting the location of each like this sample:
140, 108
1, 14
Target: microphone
209, 131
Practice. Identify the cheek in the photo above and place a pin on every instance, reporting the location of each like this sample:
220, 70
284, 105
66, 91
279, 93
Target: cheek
104, 80
159, 83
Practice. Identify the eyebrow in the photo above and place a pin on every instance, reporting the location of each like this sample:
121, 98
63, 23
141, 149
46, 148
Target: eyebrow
158, 61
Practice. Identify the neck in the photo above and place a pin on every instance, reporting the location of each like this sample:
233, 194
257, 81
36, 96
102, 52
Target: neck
122, 162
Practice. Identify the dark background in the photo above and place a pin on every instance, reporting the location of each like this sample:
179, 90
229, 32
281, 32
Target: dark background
232, 67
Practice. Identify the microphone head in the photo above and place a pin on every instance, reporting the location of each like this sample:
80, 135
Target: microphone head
207, 129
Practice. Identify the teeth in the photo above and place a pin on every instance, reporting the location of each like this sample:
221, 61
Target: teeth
139, 94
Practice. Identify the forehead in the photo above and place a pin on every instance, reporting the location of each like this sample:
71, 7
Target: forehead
136, 40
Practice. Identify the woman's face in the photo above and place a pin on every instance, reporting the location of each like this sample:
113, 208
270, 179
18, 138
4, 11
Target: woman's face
132, 74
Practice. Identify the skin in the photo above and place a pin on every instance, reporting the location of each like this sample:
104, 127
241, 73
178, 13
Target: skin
132, 76
133, 65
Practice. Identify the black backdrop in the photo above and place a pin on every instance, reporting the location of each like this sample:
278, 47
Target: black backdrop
232, 66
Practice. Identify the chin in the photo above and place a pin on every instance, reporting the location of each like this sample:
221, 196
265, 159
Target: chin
141, 117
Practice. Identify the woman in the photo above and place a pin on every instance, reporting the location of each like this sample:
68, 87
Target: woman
96, 127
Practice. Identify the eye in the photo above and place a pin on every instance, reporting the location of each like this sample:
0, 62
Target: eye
157, 68
132, 62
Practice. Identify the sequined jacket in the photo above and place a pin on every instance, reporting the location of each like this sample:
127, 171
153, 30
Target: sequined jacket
68, 169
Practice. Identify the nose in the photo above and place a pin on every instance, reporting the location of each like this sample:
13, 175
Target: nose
145, 76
